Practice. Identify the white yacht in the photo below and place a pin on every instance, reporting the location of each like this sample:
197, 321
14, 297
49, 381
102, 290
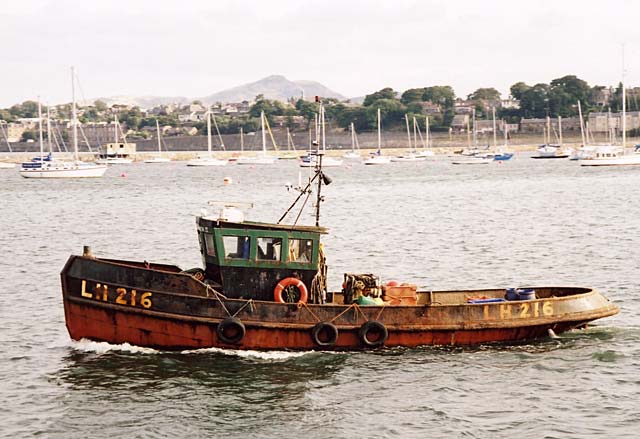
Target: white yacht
208, 160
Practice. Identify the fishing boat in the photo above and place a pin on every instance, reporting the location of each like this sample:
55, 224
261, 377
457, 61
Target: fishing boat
159, 158
47, 166
263, 286
262, 158
209, 160
377, 158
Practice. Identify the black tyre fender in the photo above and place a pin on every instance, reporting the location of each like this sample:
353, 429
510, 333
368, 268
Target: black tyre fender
373, 327
231, 330
324, 328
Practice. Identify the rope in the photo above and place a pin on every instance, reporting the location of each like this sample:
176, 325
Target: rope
247, 303
355, 307
305, 306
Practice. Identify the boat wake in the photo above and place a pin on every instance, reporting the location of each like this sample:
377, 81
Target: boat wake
260, 355
101, 347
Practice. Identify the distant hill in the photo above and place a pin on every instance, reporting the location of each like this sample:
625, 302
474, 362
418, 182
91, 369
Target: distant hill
275, 87
143, 101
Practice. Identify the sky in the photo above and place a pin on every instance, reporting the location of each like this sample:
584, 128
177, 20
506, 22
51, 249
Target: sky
194, 48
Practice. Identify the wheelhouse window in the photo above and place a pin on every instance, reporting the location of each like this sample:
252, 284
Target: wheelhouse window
209, 244
236, 247
300, 250
269, 249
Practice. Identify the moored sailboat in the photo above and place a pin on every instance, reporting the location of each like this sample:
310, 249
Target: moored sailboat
208, 160
159, 158
262, 158
377, 158
51, 168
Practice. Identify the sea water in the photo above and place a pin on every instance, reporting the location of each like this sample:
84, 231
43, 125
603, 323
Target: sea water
518, 223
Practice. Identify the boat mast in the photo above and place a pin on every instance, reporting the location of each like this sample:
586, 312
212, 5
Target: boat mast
353, 138
75, 115
475, 135
584, 143
415, 134
548, 136
215, 124
319, 175
406, 119
158, 128
379, 138
241, 140
427, 131
209, 131
624, 107
264, 134
560, 129
115, 128
40, 123
495, 138
49, 130
504, 130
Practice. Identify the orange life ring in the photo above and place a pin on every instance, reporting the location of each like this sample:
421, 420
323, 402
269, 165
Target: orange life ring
289, 282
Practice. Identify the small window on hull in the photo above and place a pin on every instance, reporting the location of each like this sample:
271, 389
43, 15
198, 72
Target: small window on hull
236, 247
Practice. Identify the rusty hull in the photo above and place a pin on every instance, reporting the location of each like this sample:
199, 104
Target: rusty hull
118, 302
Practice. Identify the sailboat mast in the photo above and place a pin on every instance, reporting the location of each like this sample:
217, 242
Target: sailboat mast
548, 136
495, 134
115, 128
353, 138
581, 124
475, 135
560, 129
504, 130
40, 123
264, 134
158, 128
75, 116
406, 119
49, 130
415, 134
428, 131
379, 138
624, 108
209, 131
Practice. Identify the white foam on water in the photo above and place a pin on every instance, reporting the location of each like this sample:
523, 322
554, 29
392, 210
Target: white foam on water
102, 347
261, 355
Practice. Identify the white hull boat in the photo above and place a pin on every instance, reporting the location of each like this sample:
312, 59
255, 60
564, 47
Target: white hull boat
64, 170
207, 161
377, 160
157, 160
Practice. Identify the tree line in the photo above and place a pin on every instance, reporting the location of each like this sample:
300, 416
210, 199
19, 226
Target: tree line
558, 98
